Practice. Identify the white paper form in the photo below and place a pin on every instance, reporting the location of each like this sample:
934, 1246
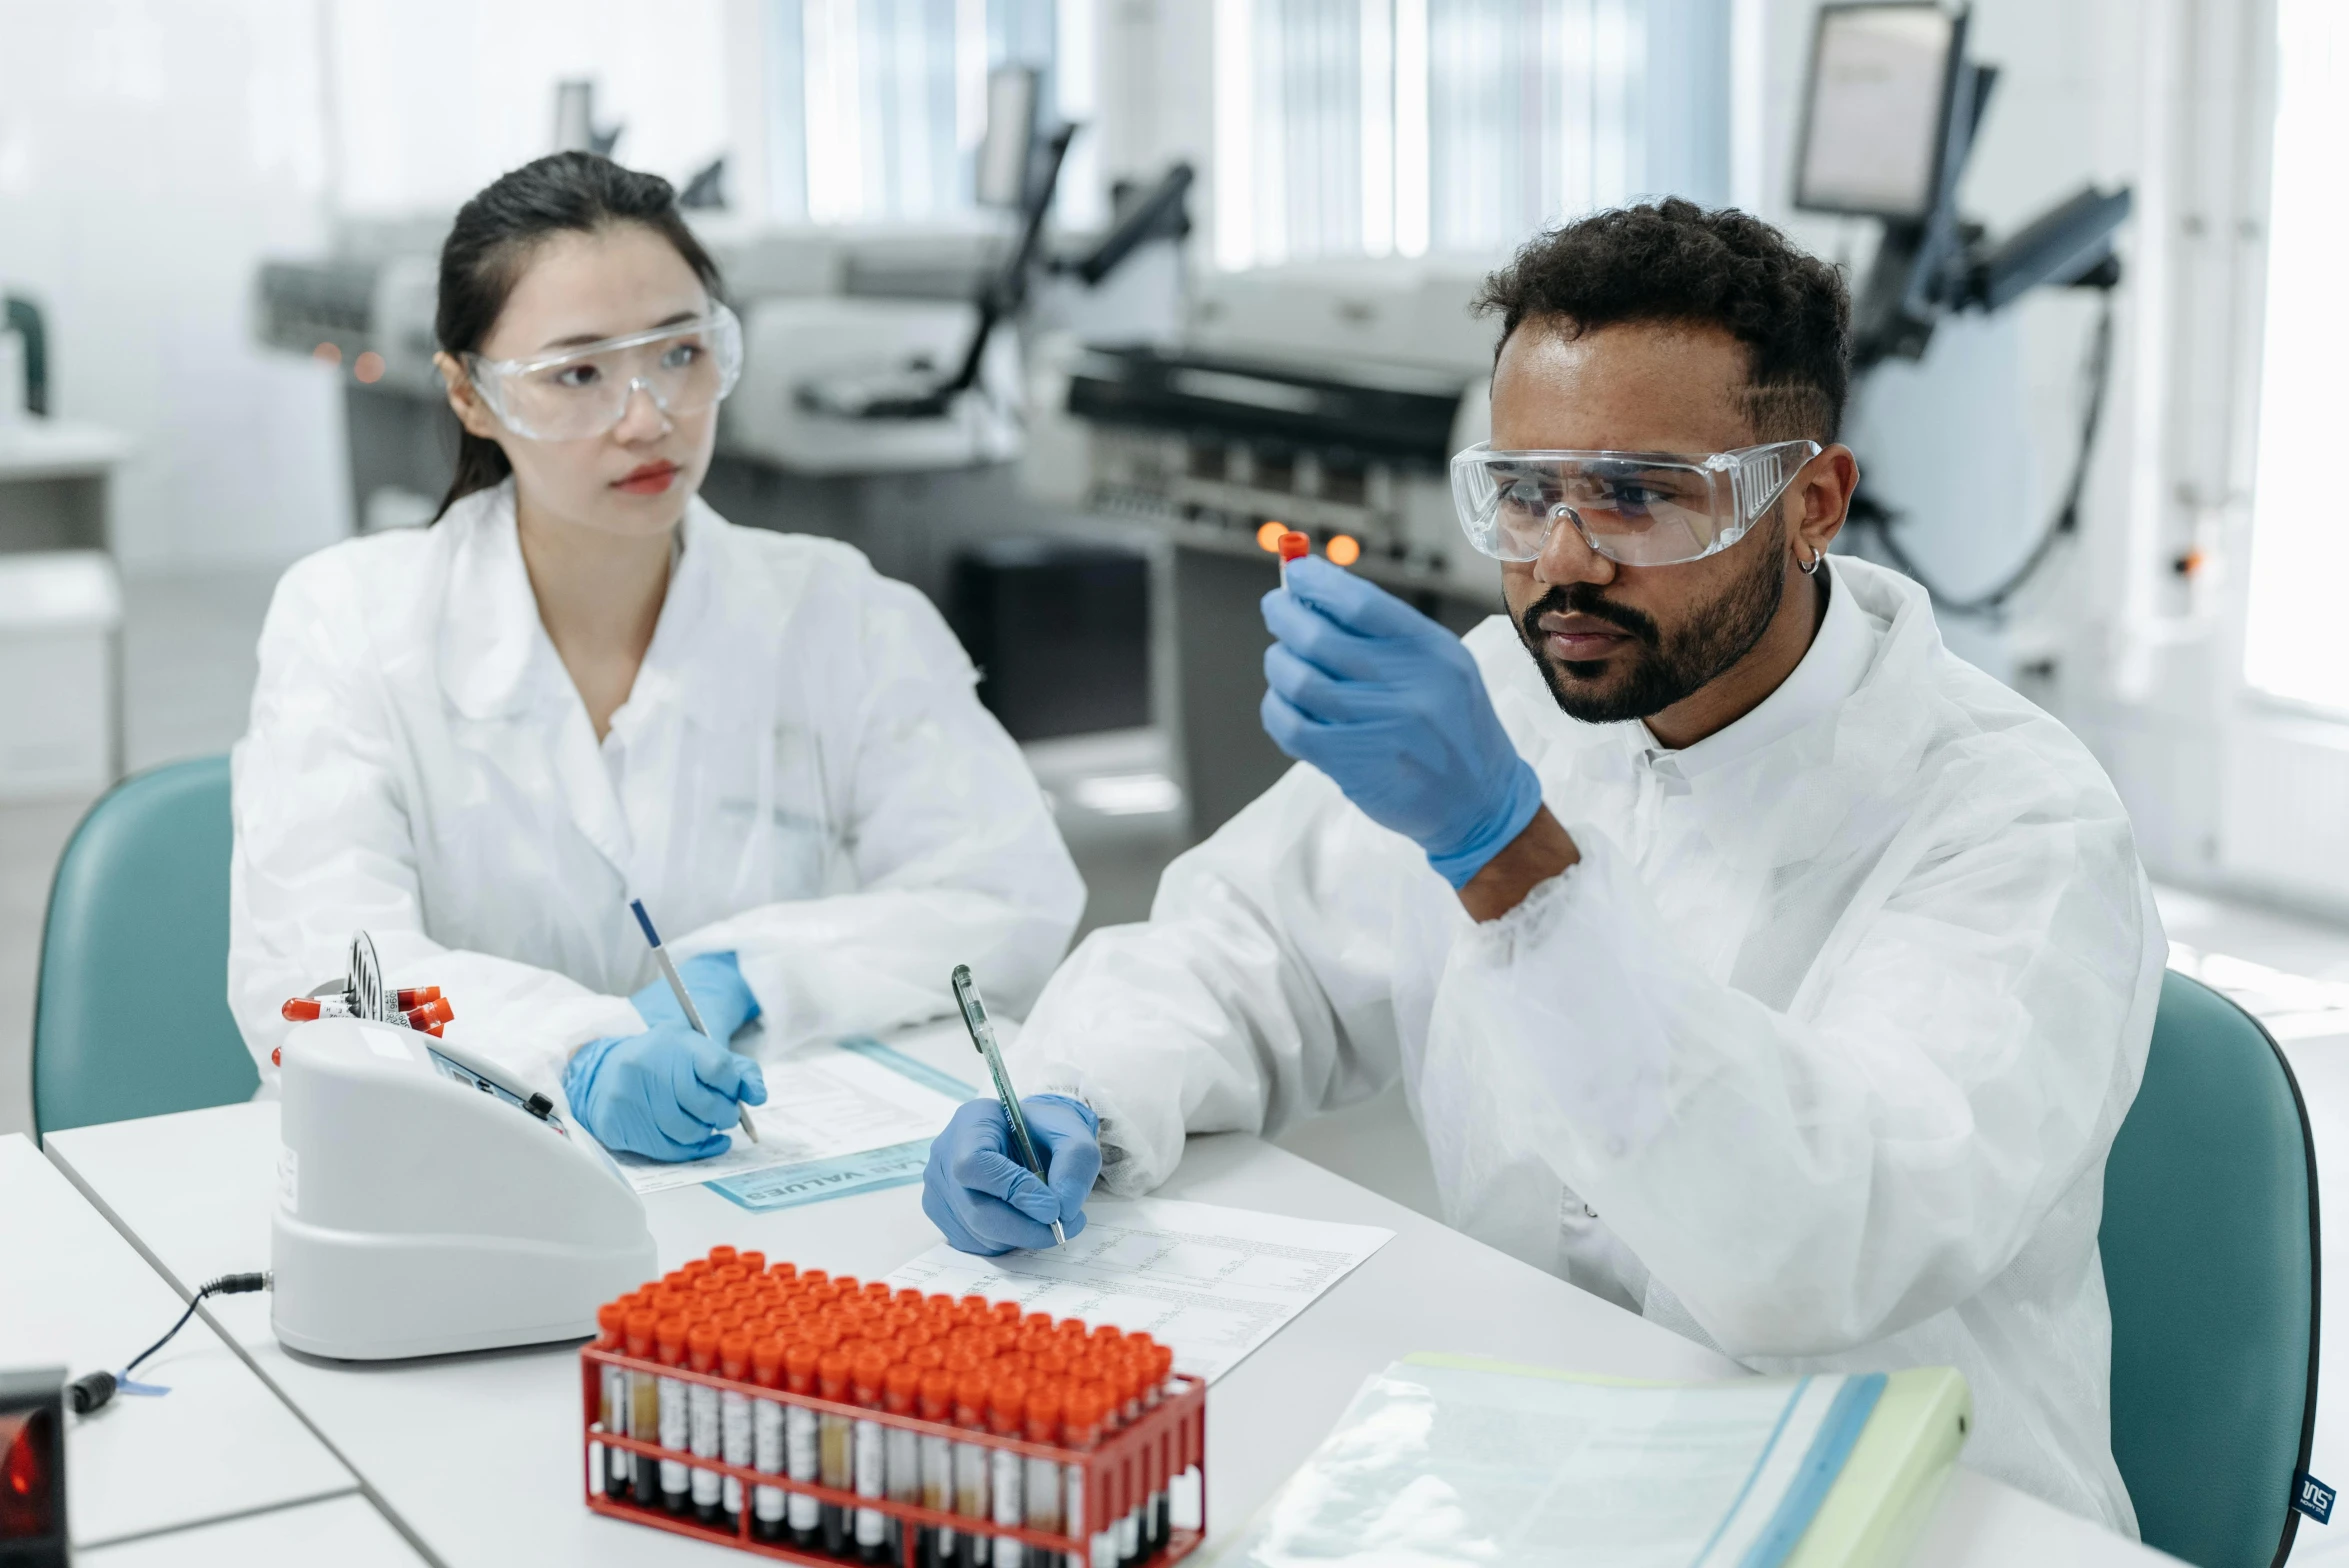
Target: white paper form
821, 1104
1208, 1282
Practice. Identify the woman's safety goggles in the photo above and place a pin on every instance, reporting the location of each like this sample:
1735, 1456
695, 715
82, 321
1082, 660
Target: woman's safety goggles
1636, 508
582, 392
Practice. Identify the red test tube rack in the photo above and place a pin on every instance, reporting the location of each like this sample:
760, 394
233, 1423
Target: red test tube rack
818, 1419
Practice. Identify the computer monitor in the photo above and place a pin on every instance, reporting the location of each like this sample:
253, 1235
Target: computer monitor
1012, 91
1876, 120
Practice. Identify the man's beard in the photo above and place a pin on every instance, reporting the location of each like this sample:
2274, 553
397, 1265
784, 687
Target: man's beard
1663, 670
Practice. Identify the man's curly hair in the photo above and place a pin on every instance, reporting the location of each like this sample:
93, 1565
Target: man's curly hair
1672, 261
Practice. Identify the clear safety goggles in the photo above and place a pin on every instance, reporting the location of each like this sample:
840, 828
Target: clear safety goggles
685, 369
1635, 508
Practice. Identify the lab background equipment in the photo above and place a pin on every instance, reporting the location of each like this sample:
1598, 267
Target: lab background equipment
425, 1205
1891, 112
32, 1468
1324, 398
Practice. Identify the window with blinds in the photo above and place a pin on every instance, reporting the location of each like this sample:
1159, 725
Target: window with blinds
878, 106
1400, 127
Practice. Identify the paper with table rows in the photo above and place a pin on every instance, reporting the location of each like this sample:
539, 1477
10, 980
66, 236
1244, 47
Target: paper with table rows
836, 1100
1208, 1282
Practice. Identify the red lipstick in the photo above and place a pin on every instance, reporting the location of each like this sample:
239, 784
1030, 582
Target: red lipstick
649, 479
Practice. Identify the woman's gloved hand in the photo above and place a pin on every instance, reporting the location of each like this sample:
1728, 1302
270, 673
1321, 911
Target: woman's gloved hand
977, 1192
1392, 707
667, 1094
719, 991
670, 1093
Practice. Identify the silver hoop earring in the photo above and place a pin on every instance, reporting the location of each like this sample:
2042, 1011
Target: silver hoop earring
1811, 567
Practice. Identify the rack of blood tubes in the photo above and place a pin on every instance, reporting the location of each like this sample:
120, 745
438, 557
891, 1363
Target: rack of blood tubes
821, 1419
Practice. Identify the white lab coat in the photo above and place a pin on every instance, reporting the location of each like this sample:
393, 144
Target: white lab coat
802, 774
1816, 1056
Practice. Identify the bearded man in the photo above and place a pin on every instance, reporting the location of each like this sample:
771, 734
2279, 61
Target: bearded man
1747, 958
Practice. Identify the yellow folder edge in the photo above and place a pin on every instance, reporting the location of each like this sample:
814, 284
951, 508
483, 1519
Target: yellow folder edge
1889, 1484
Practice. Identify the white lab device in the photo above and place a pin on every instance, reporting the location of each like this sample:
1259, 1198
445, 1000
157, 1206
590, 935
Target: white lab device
426, 1206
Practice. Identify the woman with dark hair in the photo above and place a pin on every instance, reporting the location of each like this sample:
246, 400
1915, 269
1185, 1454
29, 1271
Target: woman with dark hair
478, 741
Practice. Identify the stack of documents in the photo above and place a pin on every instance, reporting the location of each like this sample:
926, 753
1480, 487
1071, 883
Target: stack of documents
1450, 1459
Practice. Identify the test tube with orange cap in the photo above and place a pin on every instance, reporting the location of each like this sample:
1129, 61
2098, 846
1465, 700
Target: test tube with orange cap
766, 1438
611, 1333
676, 1420
1080, 1425
936, 1396
900, 1388
837, 1465
1007, 1411
701, 1354
971, 1386
734, 1434
1294, 546
802, 1513
867, 1374
1045, 1485
644, 1405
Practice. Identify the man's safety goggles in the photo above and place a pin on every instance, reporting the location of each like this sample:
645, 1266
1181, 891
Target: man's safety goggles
1636, 508
685, 369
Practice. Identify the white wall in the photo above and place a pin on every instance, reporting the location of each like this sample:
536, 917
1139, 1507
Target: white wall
150, 152
433, 99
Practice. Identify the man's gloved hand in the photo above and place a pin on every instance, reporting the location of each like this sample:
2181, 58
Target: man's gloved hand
1392, 708
978, 1193
669, 1093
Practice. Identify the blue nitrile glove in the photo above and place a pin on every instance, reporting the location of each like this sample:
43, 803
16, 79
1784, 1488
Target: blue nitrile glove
1392, 708
669, 1093
976, 1190
719, 991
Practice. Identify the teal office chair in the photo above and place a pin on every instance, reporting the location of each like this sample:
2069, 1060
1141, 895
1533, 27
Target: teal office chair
2210, 1260
132, 1017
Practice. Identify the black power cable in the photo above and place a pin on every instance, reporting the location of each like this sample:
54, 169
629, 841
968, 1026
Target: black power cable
2096, 372
93, 1391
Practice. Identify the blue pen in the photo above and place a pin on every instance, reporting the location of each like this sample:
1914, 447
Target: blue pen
684, 997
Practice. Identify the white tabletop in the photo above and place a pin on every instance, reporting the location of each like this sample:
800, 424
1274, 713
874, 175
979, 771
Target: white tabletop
479, 1455
75, 1294
33, 448
345, 1531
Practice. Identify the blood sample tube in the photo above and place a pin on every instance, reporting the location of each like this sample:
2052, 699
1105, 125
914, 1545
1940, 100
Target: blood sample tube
675, 1420
734, 1434
838, 1461
608, 1471
867, 1375
701, 1354
766, 1438
644, 1407
802, 1513
936, 1389
899, 1389
1045, 1482
426, 1016
1080, 1425
1007, 1401
1150, 1379
1294, 546
970, 1462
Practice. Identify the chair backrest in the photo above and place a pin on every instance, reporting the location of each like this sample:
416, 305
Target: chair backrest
132, 1018
2210, 1261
